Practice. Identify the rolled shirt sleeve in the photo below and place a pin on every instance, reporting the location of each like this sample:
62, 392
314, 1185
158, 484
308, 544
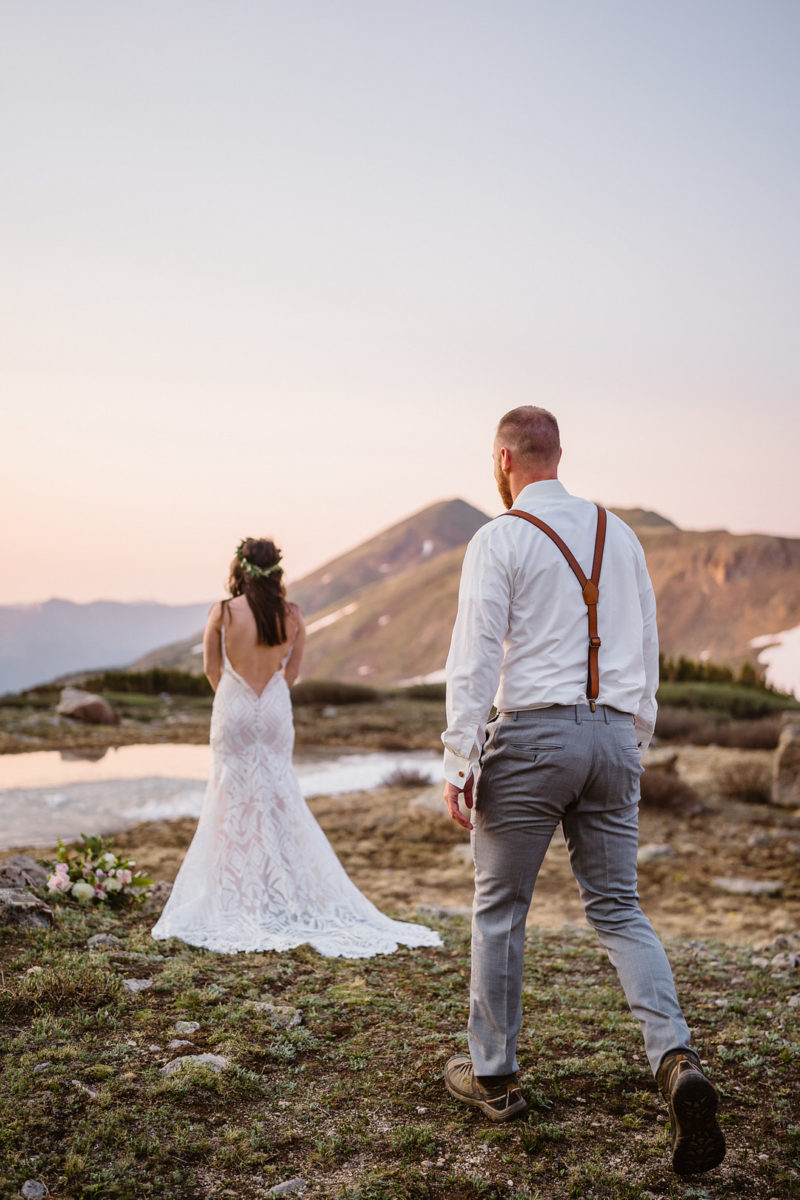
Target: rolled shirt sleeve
476, 655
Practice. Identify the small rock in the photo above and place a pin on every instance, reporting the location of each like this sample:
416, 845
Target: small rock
35, 971
82, 1087
282, 1015
216, 1062
19, 871
178, 1044
291, 1187
652, 851
187, 1026
20, 908
440, 911
100, 940
794, 1001
788, 961
43, 1066
330, 710
136, 985
749, 887
760, 838
33, 1190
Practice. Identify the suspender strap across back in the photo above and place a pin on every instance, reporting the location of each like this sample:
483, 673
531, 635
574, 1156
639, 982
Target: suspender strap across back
590, 587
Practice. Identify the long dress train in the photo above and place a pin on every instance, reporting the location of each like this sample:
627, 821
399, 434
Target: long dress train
260, 873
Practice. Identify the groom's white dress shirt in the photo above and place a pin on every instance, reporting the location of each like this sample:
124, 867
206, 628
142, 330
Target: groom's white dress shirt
520, 639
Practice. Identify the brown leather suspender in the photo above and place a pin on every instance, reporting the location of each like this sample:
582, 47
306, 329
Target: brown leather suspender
590, 587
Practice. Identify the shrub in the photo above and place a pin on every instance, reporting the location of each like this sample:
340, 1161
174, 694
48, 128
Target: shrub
332, 691
749, 781
150, 683
406, 777
425, 691
709, 728
662, 788
731, 699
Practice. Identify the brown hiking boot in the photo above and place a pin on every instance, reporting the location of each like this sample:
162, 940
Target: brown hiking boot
697, 1140
500, 1101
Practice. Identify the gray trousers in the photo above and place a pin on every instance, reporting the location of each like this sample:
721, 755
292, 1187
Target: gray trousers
581, 768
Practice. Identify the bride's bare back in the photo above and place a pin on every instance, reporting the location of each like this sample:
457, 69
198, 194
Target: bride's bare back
254, 662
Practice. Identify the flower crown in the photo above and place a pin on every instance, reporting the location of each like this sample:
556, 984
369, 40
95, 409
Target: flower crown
250, 568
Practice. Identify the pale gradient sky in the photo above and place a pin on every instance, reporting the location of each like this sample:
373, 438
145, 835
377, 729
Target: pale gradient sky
278, 268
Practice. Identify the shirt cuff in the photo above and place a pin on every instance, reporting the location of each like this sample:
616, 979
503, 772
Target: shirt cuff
457, 770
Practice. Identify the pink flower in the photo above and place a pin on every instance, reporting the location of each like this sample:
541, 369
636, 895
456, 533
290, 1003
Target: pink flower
62, 869
125, 876
59, 883
98, 891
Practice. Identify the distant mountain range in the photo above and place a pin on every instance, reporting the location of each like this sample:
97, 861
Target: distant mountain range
383, 612
41, 642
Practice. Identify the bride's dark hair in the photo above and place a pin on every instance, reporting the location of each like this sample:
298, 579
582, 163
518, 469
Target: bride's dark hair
266, 595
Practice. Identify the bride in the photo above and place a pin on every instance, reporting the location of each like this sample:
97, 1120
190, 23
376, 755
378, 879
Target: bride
260, 873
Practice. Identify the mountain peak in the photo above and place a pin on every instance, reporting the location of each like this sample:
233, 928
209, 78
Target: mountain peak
424, 535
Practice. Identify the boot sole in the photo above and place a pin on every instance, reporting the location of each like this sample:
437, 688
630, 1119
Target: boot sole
699, 1144
493, 1114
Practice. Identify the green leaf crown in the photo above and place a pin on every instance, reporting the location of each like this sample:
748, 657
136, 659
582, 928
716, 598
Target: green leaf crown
250, 568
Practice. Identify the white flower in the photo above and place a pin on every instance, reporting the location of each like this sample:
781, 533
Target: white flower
112, 885
82, 890
108, 859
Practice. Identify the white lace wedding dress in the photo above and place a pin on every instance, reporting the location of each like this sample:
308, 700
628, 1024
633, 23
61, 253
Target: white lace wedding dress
260, 873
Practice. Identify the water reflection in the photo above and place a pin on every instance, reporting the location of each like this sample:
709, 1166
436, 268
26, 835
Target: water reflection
90, 754
45, 795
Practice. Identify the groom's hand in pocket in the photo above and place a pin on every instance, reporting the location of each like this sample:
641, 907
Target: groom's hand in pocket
452, 796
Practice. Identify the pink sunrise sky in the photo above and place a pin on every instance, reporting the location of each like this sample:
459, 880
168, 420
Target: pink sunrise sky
279, 268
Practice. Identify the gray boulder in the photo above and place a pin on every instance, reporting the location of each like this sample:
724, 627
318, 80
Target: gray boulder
19, 871
20, 908
786, 766
86, 706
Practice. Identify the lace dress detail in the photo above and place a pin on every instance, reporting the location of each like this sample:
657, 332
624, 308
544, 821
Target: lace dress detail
260, 873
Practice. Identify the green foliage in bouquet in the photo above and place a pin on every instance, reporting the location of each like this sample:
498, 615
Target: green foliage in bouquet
91, 874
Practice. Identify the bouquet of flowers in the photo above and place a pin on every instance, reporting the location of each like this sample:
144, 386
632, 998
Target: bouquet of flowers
91, 874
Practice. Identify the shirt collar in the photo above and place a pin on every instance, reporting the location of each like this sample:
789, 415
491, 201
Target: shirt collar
545, 489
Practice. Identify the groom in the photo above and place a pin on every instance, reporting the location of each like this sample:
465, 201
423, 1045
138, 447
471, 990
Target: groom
571, 663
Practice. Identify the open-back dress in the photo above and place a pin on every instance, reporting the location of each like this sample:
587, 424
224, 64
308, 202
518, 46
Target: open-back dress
260, 873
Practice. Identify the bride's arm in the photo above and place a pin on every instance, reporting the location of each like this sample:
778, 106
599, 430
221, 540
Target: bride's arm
292, 668
212, 646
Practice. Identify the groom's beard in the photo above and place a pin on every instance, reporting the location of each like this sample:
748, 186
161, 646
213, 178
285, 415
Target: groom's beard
501, 479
